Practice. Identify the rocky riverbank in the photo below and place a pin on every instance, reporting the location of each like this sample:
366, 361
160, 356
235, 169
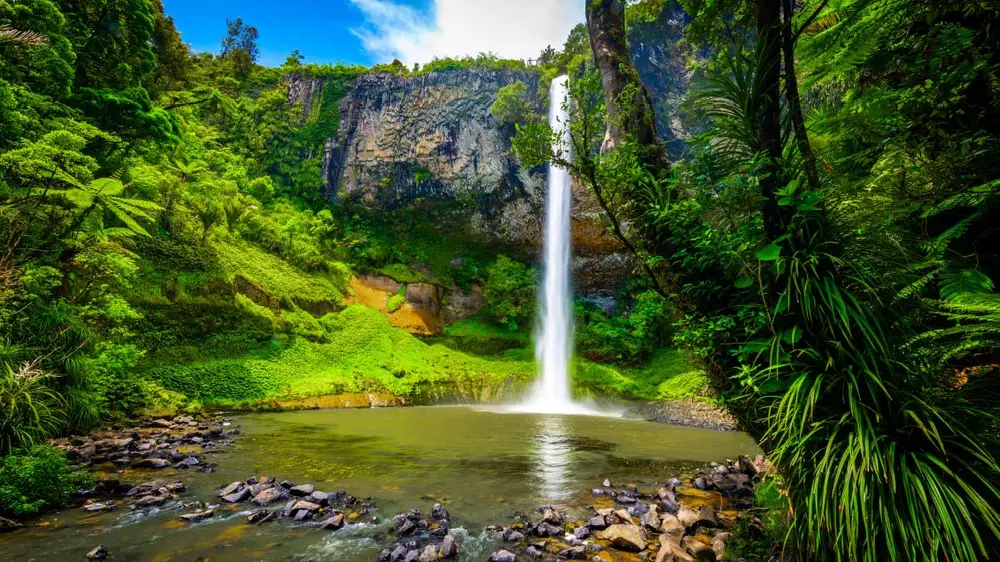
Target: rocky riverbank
692, 412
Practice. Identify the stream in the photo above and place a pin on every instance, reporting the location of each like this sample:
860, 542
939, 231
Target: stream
483, 465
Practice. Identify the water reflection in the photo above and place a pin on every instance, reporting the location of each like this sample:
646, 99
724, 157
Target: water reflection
553, 452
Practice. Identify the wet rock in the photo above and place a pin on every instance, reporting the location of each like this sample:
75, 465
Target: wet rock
719, 544
303, 515
625, 537
398, 554
429, 553
306, 505
581, 532
269, 495
597, 522
6, 525
161, 423
512, 535
594, 547
671, 526
706, 517
198, 515
552, 516
597, 492
439, 512
100, 552
671, 552
97, 506
405, 527
697, 549
625, 499
687, 516
108, 486
334, 523
175, 487
411, 556
574, 553
261, 516
503, 556
303, 490
287, 510
441, 531
147, 501
548, 530
700, 483
449, 547
152, 463
606, 483
319, 497
384, 555
242, 495
534, 552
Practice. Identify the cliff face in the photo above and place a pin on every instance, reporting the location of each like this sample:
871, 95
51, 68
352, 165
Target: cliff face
431, 137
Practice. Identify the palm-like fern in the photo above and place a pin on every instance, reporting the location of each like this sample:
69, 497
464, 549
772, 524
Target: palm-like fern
105, 194
12, 36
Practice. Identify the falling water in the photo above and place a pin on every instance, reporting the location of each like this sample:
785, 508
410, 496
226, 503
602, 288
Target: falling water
555, 322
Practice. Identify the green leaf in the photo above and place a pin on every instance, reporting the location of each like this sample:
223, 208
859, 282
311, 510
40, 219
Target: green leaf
769, 252
792, 335
107, 186
743, 282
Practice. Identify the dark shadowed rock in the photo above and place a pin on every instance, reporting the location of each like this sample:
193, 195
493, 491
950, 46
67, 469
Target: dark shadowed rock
303, 515
287, 510
411, 555
581, 532
439, 512
512, 535
574, 553
6, 525
231, 489
319, 497
152, 463
597, 522
242, 495
385, 555
398, 554
261, 516
405, 527
552, 516
99, 552
698, 550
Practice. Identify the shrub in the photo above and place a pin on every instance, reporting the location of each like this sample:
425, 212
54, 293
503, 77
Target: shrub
510, 292
38, 479
630, 338
29, 410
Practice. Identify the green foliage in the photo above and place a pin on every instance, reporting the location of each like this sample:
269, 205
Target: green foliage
395, 303
512, 106
38, 479
629, 338
509, 289
30, 410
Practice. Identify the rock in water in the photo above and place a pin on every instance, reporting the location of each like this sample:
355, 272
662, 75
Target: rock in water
449, 547
398, 553
429, 554
100, 552
574, 553
239, 496
6, 525
687, 516
269, 495
439, 512
231, 489
697, 549
334, 523
597, 522
671, 552
153, 463
552, 516
626, 537
303, 490
308, 506
503, 556
198, 515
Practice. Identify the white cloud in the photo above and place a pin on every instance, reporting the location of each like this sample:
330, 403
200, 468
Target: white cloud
517, 29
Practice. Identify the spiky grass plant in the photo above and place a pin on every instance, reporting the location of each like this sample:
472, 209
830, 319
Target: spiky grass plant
30, 410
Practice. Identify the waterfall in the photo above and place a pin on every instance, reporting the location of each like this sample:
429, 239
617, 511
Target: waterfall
554, 347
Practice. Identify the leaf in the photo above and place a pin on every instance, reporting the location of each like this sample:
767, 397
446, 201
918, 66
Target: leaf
770, 252
965, 281
743, 282
792, 335
107, 186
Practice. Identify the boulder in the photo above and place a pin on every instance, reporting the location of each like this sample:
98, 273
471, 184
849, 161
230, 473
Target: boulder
242, 495
152, 463
269, 495
552, 516
513, 536
287, 510
100, 552
597, 492
697, 549
306, 505
439, 512
687, 516
319, 497
449, 547
581, 532
411, 555
625, 537
334, 523
597, 522
503, 556
405, 527
398, 553
147, 501
670, 526
261, 516
706, 517
719, 544
97, 506
671, 552
303, 515
574, 553
302, 490
429, 553
197, 515
534, 552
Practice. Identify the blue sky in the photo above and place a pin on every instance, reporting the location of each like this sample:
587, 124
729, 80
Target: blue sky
372, 31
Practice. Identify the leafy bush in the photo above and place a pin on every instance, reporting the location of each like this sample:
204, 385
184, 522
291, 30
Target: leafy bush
630, 338
30, 410
38, 479
511, 105
510, 292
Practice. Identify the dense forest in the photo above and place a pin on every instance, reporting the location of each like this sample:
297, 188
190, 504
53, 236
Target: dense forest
824, 252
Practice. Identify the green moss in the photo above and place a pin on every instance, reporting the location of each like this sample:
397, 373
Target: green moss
395, 303
668, 376
473, 335
278, 278
402, 273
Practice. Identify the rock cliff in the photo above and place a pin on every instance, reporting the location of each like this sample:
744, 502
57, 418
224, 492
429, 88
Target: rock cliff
431, 137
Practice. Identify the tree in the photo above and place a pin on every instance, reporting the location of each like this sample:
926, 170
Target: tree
511, 106
173, 61
113, 40
294, 60
239, 47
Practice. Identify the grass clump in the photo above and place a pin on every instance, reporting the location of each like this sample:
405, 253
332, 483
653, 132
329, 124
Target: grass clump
668, 376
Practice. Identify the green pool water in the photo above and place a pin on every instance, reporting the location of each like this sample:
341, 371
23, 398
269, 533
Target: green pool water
485, 466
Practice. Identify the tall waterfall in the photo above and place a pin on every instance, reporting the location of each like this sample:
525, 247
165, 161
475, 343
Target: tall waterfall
554, 346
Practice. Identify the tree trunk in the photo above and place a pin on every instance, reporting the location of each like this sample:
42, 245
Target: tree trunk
629, 105
792, 96
768, 26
